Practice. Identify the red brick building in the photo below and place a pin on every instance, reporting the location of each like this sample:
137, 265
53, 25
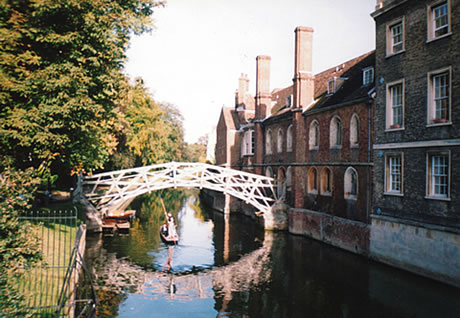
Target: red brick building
313, 137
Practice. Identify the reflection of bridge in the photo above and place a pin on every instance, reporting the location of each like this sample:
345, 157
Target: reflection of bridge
249, 271
113, 190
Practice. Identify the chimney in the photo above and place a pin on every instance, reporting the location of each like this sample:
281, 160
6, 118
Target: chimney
243, 83
304, 85
263, 96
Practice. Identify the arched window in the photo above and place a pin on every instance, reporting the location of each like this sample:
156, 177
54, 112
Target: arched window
289, 139
312, 181
314, 135
351, 183
279, 144
268, 142
335, 132
354, 131
269, 172
281, 190
326, 181
289, 179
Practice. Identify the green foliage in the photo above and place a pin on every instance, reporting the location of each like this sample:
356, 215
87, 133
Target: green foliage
19, 246
148, 132
60, 74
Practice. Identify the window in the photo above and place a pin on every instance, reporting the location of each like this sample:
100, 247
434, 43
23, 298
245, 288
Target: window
312, 179
395, 105
269, 172
439, 97
354, 131
351, 183
289, 139
279, 144
395, 37
331, 86
335, 133
439, 20
268, 142
247, 144
313, 141
393, 173
438, 175
326, 181
289, 101
368, 76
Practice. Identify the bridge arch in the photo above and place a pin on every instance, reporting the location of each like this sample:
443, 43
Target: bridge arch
109, 191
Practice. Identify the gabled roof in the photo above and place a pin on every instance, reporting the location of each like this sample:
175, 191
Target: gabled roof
230, 117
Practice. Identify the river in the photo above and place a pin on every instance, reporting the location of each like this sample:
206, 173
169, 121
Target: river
229, 267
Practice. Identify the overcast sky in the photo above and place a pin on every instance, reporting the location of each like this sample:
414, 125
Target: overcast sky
200, 47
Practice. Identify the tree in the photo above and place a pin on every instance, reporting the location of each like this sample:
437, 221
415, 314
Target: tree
60, 73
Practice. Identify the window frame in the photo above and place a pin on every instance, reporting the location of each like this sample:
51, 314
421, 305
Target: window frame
312, 186
430, 184
368, 70
348, 184
335, 135
390, 45
431, 23
269, 142
289, 138
389, 116
354, 131
431, 119
388, 182
279, 140
326, 183
313, 135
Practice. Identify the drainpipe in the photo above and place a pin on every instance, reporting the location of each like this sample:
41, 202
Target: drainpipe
370, 101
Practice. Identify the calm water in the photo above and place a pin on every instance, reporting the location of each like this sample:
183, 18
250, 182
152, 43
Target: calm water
230, 268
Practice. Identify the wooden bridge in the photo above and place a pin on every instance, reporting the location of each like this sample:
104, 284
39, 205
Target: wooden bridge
113, 190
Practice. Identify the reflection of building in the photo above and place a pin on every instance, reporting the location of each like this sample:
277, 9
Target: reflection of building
316, 139
312, 137
417, 136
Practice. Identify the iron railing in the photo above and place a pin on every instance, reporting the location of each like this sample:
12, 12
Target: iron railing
50, 287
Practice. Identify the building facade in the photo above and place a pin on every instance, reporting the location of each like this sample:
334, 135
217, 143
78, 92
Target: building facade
416, 220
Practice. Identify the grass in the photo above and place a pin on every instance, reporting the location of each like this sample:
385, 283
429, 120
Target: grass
42, 284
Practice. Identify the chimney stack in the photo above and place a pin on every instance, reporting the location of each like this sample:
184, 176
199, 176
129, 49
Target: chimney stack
263, 96
303, 75
243, 84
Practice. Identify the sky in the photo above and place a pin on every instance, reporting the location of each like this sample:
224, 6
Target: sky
198, 49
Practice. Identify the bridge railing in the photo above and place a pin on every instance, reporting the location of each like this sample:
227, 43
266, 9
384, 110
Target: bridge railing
110, 189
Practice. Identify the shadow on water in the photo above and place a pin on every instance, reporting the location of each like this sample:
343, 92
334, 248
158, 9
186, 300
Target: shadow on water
228, 267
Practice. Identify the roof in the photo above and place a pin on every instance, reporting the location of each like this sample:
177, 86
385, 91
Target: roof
230, 118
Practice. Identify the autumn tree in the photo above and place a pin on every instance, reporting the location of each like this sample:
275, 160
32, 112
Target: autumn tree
60, 72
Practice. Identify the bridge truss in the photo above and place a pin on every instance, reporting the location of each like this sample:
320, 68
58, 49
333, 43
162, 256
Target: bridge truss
110, 190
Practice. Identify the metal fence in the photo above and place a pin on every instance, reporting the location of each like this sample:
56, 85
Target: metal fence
50, 287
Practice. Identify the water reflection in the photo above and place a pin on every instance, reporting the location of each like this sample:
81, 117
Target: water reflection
227, 267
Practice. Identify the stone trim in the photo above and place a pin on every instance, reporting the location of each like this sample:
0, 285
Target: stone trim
418, 144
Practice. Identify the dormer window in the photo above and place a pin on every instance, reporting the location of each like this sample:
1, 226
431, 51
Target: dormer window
368, 76
334, 84
331, 86
289, 101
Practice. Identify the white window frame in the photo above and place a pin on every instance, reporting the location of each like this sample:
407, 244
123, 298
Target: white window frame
289, 138
354, 131
390, 124
433, 176
392, 47
351, 191
368, 75
331, 86
313, 137
268, 142
431, 20
335, 135
432, 118
392, 174
279, 140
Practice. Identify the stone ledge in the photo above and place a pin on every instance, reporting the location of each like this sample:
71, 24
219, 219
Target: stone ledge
416, 223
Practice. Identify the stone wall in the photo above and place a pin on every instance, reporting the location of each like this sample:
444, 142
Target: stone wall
349, 235
431, 251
